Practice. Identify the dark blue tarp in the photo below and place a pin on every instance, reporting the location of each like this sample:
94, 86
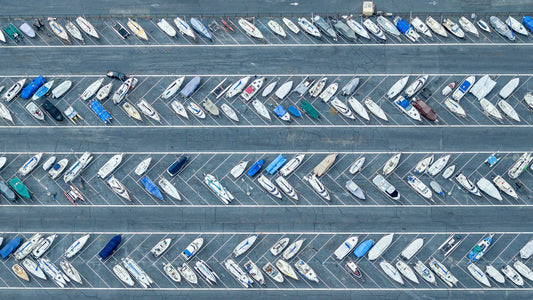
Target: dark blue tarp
402, 25
10, 247
528, 21
110, 247
29, 90
100, 111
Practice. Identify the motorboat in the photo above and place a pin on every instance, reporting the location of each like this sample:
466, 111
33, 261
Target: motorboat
254, 169
342, 108
350, 87
504, 186
286, 269
196, 110
467, 184
397, 87
206, 272
305, 270
375, 109
448, 89
418, 186
76, 246
142, 167
346, 247
483, 25
43, 245
355, 190
192, 248
187, 273
30, 164
424, 272
317, 88
453, 28
357, 165
118, 188
410, 250
436, 187
276, 28
147, 109
487, 187
286, 188
324, 26
478, 274
173, 88
292, 165
124, 88
318, 187
423, 164
480, 249
282, 113
8, 249
523, 269
253, 270
308, 27
238, 273
19, 188
237, 87
424, 109
172, 272
512, 275
161, 247
528, 98
284, 90
279, 246
406, 271
528, 22
290, 24
218, 189
416, 86
354, 269
391, 271
253, 88
385, 187
92, 89
104, 91
244, 245
273, 273
443, 272
375, 30
137, 29
405, 106
406, 29
137, 272
357, 28
436, 26
110, 166
391, 163
167, 28
58, 168
495, 274
250, 29
293, 249
501, 28
70, 271
421, 27
185, 29
152, 188
439, 165
482, 87
468, 26
179, 109
211, 107
363, 248
520, 165
509, 88
43, 90
14, 90
7, 192
261, 109
269, 89
238, 170
380, 247
61, 89
87, 27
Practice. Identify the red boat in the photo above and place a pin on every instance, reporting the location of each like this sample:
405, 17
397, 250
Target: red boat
74, 194
424, 109
353, 269
227, 25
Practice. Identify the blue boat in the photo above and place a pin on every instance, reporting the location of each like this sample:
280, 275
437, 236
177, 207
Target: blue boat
190, 87
363, 248
42, 91
31, 88
177, 166
100, 111
480, 249
111, 246
282, 113
528, 21
465, 86
10, 247
274, 166
255, 168
402, 25
294, 111
201, 28
150, 186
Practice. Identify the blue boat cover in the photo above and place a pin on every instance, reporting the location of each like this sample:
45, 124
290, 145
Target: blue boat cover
29, 90
465, 85
255, 168
276, 164
294, 111
280, 111
404, 103
100, 111
402, 25
110, 247
10, 247
363, 248
151, 187
187, 253
190, 87
528, 21
200, 27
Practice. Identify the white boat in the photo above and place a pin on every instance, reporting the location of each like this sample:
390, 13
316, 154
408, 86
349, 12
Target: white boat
269, 88
61, 89
424, 272
184, 28
279, 246
286, 269
58, 168
30, 164
467, 184
357, 165
286, 188
448, 172
329, 92
388, 26
161, 247
179, 109
124, 88
261, 109
237, 87
211, 107
350, 87
384, 186
509, 88
196, 110
524, 270
406, 271
306, 271
14, 90
397, 87
292, 165
46, 165
290, 24
137, 272
448, 89
516, 26
508, 110
229, 112
293, 249
436, 26
269, 186
318, 187
355, 190
253, 270
416, 86
482, 87
110, 165
273, 273
483, 25
92, 89
26, 248
495, 274
192, 248
423, 164
238, 273
188, 273
309, 27
375, 30
250, 29
418, 186
455, 107
58, 30
478, 274
438, 165
380, 247
512, 275
487, 187
43, 246
118, 188
137, 29
421, 27
218, 189
346, 247
54, 272
375, 109
148, 110
317, 88
468, 26
3, 161
391, 164
76, 246
436, 187
464, 88
70, 271
391, 271
253, 88
239, 169
410, 250
342, 108
357, 28
173, 88
43, 90
276, 28
166, 27
528, 98
527, 250
74, 31
87, 27
284, 90
504, 186
169, 188
453, 28
75, 170
206, 272
405, 106
443, 272
172, 272
123, 275
104, 91
142, 167
33, 268
520, 165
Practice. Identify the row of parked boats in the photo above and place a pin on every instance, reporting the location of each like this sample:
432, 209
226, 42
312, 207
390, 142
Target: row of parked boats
283, 251
278, 187
346, 26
